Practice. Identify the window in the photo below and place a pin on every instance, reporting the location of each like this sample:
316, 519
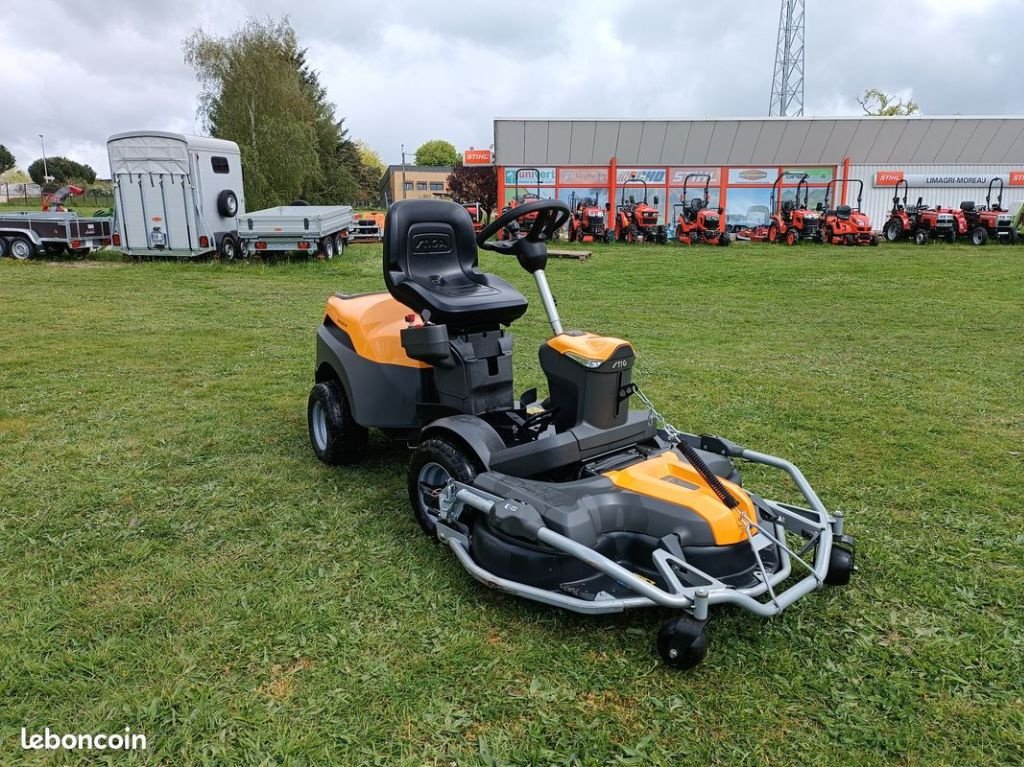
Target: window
220, 164
436, 186
408, 186
421, 186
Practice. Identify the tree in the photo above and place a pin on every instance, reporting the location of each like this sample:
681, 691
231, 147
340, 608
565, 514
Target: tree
63, 171
876, 103
469, 183
253, 93
6, 159
371, 170
438, 152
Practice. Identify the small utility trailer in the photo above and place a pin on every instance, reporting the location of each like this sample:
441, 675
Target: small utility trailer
23, 235
308, 228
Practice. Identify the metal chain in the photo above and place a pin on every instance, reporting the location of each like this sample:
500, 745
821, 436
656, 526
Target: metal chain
670, 431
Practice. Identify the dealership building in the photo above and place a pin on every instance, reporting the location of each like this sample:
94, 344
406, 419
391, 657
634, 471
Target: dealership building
945, 160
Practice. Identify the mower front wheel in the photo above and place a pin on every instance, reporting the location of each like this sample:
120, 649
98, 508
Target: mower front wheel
435, 463
682, 642
840, 565
336, 437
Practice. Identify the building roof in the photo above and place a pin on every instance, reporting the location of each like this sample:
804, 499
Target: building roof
760, 141
419, 168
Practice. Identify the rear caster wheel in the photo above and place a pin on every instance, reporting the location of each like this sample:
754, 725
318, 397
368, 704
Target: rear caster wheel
682, 642
840, 566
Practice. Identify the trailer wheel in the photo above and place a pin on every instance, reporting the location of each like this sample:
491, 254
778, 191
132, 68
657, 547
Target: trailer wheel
21, 248
228, 248
978, 237
327, 247
227, 204
339, 244
4, 247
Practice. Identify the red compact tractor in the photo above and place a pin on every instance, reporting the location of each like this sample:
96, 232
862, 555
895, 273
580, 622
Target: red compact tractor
476, 212
638, 221
992, 221
696, 222
518, 228
588, 223
843, 224
920, 222
792, 220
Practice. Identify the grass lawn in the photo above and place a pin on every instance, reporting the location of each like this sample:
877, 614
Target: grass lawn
174, 559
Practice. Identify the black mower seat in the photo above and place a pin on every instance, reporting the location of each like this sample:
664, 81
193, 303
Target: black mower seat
843, 211
430, 264
967, 205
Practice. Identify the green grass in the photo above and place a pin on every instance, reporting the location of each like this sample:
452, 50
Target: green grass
173, 558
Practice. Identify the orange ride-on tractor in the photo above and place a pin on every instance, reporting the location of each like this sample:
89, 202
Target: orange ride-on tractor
920, 222
588, 222
844, 224
476, 212
992, 222
792, 220
54, 201
518, 227
638, 221
696, 222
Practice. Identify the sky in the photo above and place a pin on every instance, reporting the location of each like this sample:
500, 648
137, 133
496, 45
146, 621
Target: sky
406, 71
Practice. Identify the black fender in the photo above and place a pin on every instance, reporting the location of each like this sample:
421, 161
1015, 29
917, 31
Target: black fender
478, 435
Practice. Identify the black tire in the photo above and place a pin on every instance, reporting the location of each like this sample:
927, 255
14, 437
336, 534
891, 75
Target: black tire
979, 236
893, 230
227, 204
20, 248
840, 566
920, 237
849, 240
433, 464
54, 249
300, 203
327, 248
4, 247
682, 642
609, 235
951, 237
228, 249
1014, 237
875, 241
336, 438
339, 244
725, 240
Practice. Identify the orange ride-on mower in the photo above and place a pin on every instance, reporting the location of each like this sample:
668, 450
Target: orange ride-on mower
992, 222
846, 225
792, 220
921, 223
573, 500
588, 222
476, 212
638, 221
696, 222
515, 228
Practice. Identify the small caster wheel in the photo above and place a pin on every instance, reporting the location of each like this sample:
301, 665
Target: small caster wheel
682, 643
840, 566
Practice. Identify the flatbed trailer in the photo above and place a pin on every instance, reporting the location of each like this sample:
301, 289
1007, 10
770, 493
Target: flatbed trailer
308, 228
23, 235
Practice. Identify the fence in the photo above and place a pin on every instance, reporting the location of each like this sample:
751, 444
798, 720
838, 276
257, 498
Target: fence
29, 195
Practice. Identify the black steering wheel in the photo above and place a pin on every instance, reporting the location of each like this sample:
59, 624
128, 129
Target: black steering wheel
551, 216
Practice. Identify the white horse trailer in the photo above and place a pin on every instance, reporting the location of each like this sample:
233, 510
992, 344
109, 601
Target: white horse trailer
175, 195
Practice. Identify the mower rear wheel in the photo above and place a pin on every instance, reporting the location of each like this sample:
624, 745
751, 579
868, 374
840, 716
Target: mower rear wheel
850, 240
435, 463
840, 566
336, 437
682, 642
893, 230
979, 236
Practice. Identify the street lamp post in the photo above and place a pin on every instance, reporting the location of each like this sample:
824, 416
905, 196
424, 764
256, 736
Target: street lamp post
42, 142
404, 195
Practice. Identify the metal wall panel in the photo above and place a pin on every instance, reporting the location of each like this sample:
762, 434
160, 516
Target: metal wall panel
885, 143
957, 139
864, 138
768, 140
838, 145
722, 138
559, 136
581, 147
606, 136
697, 143
675, 142
979, 141
509, 142
652, 139
536, 152
628, 147
928, 147
911, 138
814, 144
1005, 137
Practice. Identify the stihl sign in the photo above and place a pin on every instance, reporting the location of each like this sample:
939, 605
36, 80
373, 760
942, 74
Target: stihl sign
938, 180
476, 157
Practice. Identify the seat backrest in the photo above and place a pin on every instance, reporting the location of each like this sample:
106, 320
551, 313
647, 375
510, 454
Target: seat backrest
844, 211
967, 205
430, 264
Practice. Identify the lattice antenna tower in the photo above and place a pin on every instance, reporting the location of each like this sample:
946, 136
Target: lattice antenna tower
788, 78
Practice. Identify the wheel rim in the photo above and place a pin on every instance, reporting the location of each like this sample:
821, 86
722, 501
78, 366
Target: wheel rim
328, 249
432, 479
318, 420
228, 249
976, 237
232, 205
891, 232
20, 250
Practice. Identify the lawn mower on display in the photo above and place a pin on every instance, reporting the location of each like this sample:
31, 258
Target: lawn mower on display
638, 221
921, 223
574, 501
992, 222
846, 225
515, 228
588, 221
696, 222
477, 214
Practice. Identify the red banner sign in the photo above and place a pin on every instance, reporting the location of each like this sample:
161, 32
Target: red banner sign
888, 177
476, 157
1017, 178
